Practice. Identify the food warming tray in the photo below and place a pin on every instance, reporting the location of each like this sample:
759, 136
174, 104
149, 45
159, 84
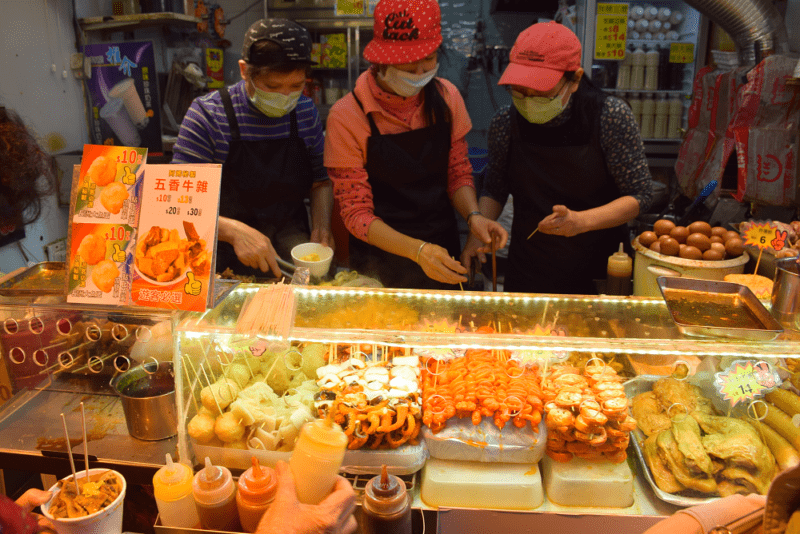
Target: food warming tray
633, 387
717, 309
45, 278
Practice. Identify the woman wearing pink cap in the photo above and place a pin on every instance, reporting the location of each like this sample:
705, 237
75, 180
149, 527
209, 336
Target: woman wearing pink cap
574, 162
396, 150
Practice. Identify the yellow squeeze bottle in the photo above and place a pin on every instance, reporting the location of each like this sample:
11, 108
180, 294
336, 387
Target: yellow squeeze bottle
172, 488
316, 460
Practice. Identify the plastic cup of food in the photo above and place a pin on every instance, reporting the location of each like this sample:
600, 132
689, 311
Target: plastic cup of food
107, 520
314, 257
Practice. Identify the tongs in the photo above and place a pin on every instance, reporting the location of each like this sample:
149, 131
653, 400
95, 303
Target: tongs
287, 269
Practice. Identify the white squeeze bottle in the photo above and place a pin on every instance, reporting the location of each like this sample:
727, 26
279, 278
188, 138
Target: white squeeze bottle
172, 487
316, 459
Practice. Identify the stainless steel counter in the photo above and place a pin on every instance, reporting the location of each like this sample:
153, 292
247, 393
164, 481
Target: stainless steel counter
32, 432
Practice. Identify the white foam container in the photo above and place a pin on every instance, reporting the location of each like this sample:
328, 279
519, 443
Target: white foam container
498, 486
106, 521
583, 483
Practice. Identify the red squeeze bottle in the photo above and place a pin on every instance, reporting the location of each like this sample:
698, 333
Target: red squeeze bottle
257, 487
387, 507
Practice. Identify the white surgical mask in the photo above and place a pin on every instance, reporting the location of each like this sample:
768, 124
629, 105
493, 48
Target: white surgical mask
539, 109
406, 83
274, 104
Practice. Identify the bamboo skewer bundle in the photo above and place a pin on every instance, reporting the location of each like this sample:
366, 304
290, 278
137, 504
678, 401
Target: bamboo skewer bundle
269, 312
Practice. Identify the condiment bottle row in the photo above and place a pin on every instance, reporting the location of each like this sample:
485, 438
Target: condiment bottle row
658, 117
212, 500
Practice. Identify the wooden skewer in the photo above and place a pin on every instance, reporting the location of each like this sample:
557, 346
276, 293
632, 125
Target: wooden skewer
85, 443
189, 382
534, 231
211, 389
494, 267
71, 459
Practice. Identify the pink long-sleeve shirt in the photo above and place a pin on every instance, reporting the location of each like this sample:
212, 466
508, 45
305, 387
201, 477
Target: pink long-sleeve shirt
347, 132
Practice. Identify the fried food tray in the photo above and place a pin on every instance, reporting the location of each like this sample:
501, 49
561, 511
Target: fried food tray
633, 387
711, 308
45, 278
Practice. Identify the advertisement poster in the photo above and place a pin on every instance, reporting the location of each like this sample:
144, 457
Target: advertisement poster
174, 261
214, 73
124, 93
104, 211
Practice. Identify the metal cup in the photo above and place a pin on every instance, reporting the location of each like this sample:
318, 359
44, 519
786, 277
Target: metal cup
786, 293
148, 400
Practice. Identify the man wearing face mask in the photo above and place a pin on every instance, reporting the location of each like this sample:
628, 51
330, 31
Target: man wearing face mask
573, 160
269, 140
396, 150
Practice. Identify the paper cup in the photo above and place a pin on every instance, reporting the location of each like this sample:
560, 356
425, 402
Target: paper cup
114, 114
316, 268
126, 91
106, 521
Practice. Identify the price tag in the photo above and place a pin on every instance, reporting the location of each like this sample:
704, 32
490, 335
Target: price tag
611, 30
349, 7
765, 235
745, 380
681, 52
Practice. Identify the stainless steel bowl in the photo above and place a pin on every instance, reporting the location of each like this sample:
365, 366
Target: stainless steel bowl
786, 293
148, 400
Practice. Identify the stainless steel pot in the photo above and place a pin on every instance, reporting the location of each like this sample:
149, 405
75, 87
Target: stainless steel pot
786, 293
148, 400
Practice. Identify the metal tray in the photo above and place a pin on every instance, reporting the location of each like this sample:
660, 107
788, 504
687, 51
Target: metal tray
711, 308
633, 387
45, 278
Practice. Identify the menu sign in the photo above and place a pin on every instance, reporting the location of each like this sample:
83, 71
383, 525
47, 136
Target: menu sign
142, 234
611, 30
173, 260
104, 210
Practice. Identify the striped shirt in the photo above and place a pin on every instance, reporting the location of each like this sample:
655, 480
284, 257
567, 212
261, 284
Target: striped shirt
205, 134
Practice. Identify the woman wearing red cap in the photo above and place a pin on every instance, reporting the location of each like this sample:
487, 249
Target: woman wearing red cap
396, 150
574, 162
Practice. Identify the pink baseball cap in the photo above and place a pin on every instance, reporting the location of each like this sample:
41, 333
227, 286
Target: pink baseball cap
404, 31
541, 55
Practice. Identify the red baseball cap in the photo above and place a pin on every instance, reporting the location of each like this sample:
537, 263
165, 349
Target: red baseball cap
404, 31
541, 55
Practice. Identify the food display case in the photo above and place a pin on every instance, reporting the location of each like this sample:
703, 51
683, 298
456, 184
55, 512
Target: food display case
59, 356
635, 339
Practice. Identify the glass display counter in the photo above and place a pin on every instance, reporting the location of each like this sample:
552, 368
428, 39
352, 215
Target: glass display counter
634, 336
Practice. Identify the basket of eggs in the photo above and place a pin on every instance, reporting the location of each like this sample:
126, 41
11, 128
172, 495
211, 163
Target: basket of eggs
694, 251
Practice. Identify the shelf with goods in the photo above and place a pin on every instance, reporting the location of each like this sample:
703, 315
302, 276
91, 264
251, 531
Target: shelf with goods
133, 22
664, 45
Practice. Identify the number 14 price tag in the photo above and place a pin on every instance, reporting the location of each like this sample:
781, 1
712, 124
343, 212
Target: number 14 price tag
746, 380
611, 29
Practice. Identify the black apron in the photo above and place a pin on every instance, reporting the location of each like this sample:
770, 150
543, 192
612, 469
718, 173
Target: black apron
264, 184
408, 176
565, 165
